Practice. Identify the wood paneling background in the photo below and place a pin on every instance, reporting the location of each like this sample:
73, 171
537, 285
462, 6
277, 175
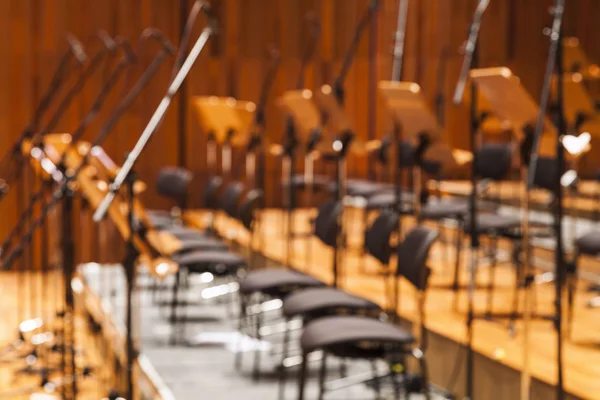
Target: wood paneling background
32, 40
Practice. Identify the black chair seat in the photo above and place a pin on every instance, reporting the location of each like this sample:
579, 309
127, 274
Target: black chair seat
445, 209
387, 199
362, 188
494, 223
276, 281
351, 331
318, 300
183, 232
201, 243
217, 262
589, 244
320, 182
159, 219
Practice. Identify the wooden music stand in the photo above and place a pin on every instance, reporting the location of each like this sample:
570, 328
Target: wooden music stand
409, 109
574, 55
576, 97
220, 115
336, 119
299, 105
513, 104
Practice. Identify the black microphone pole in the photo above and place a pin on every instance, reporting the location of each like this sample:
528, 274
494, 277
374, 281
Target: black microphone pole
127, 177
338, 84
291, 140
555, 66
36, 152
75, 51
58, 113
63, 191
468, 62
398, 62
344, 138
106, 129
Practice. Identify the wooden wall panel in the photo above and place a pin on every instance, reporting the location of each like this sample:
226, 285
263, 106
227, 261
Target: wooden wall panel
236, 61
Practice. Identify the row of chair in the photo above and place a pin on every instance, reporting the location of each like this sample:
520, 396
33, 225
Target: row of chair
324, 310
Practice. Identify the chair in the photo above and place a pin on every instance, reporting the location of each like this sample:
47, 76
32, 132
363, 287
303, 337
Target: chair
171, 183
220, 263
277, 283
358, 337
318, 302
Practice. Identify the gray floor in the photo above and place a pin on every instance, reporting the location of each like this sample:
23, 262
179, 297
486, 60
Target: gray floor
207, 371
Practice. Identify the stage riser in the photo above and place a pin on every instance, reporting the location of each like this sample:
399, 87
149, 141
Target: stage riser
493, 380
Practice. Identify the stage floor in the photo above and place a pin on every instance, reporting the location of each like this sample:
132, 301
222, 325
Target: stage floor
205, 370
12, 311
584, 204
491, 338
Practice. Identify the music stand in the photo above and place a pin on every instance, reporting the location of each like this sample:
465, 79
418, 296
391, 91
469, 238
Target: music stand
298, 105
227, 120
511, 102
340, 130
410, 111
418, 124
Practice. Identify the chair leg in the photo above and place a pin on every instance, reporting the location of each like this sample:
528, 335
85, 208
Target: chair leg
322, 376
302, 376
343, 368
174, 308
520, 282
424, 376
455, 284
571, 290
257, 351
376, 383
241, 321
492, 278
394, 378
282, 371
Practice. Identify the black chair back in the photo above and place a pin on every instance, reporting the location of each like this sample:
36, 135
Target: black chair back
377, 237
326, 223
173, 183
211, 192
545, 174
493, 161
412, 256
232, 195
407, 155
249, 205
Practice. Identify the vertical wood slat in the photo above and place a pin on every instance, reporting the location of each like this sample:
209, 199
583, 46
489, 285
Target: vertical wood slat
236, 62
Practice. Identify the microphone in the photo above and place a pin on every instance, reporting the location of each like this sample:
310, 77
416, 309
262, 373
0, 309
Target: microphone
212, 19
469, 51
129, 55
77, 48
108, 42
374, 5
164, 42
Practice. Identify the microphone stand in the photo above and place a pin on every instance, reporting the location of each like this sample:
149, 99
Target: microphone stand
469, 61
555, 65
343, 139
75, 51
291, 140
397, 128
63, 192
255, 157
68, 363
127, 176
37, 151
